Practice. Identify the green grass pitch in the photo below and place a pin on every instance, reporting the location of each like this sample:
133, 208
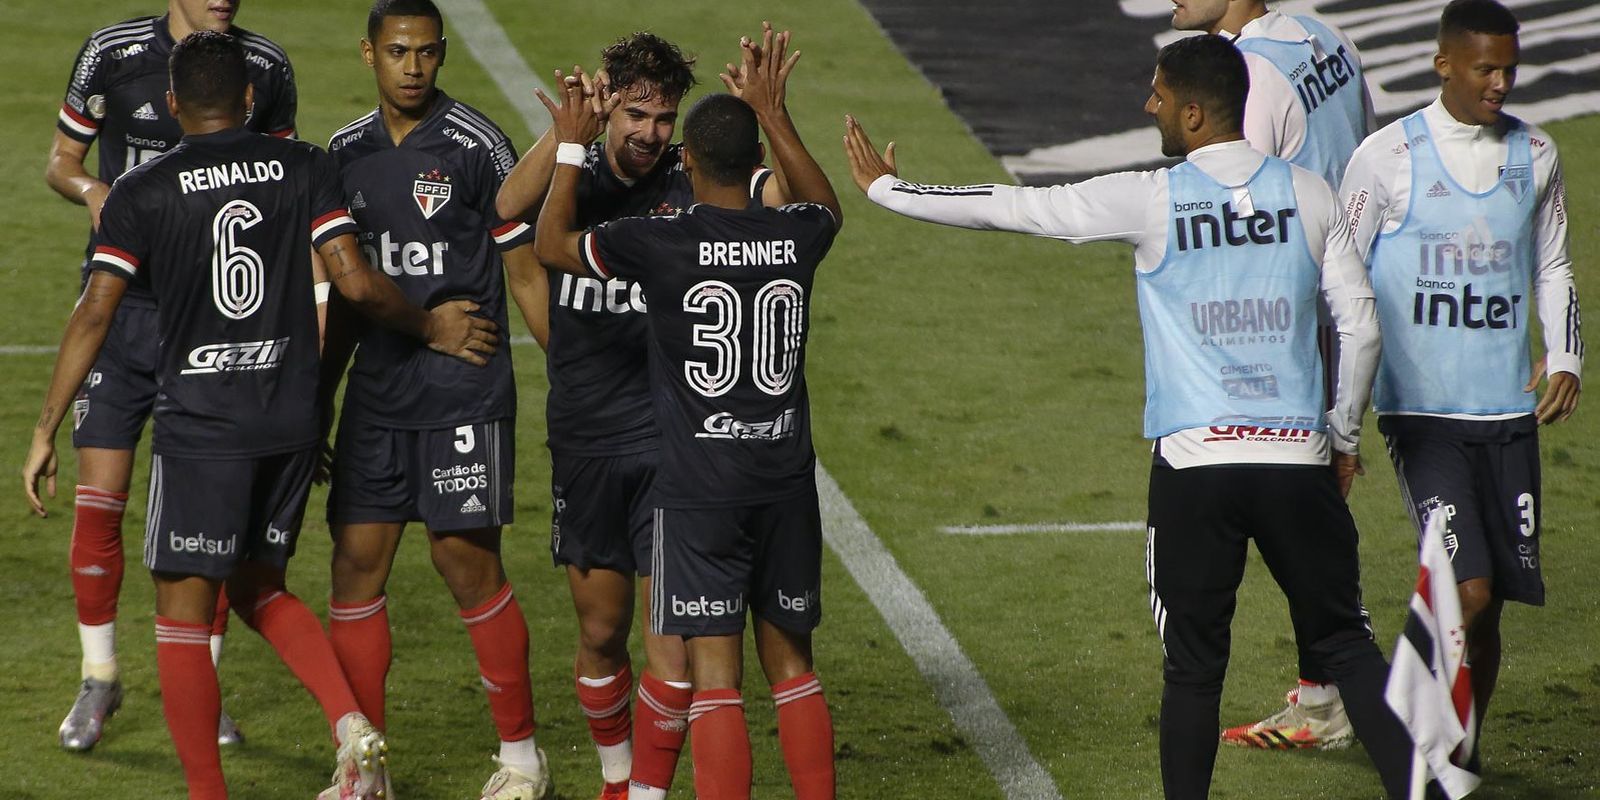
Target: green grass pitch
958, 378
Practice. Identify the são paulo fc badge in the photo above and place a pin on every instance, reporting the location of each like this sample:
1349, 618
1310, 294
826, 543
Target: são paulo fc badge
432, 191
1518, 179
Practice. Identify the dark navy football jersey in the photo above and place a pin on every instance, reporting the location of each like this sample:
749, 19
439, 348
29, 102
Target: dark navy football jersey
118, 96
596, 358
222, 228
730, 308
426, 211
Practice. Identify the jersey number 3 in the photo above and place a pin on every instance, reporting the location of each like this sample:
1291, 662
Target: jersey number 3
236, 270
779, 312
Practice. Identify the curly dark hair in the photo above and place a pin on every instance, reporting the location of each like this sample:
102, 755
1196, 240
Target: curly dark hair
648, 63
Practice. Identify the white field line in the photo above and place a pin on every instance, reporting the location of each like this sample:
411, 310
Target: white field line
954, 678
1043, 527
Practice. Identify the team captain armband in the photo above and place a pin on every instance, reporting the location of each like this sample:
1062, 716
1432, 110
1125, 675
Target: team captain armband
332, 224
119, 261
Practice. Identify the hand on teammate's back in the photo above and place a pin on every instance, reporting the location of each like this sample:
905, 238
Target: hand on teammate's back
585, 104
454, 331
866, 165
762, 76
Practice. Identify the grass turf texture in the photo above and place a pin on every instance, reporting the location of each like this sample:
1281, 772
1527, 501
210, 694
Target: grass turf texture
957, 377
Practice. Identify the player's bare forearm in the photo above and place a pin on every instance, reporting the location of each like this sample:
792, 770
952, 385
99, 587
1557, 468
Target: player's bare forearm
64, 172
80, 345
555, 240
523, 190
529, 286
339, 342
806, 182
371, 293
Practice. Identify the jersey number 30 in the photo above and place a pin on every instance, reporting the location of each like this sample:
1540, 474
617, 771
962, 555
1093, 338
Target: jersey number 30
236, 270
779, 312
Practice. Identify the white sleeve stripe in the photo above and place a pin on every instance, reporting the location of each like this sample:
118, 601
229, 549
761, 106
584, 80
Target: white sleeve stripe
755, 180
76, 125
521, 228
116, 261
473, 129
342, 219
590, 258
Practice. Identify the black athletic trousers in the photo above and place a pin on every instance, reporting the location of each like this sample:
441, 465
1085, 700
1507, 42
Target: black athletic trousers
1200, 521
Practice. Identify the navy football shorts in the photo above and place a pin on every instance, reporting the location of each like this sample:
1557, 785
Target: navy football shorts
117, 396
602, 517
207, 515
1489, 494
452, 479
713, 563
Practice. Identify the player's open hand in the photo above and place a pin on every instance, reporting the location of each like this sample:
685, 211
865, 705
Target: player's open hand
456, 332
584, 105
41, 463
1345, 468
866, 165
762, 75
1560, 397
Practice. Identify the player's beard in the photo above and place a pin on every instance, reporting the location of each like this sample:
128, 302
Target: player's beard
1171, 141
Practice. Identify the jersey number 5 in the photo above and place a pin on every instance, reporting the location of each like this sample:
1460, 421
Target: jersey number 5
779, 313
236, 270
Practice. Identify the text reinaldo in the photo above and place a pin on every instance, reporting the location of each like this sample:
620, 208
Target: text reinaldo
218, 176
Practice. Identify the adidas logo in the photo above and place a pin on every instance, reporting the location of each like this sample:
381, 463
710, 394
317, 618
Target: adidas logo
93, 571
1438, 190
473, 506
358, 203
146, 112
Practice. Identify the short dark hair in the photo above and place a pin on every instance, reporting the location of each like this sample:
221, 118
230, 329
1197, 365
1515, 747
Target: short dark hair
1476, 16
208, 72
1210, 71
646, 62
722, 134
400, 8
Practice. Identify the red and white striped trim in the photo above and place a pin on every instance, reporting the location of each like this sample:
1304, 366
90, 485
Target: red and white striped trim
591, 256
267, 599
806, 689
700, 708
508, 231
121, 259
353, 613
661, 708
607, 712
496, 605
99, 498
329, 221
286, 133
78, 123
199, 635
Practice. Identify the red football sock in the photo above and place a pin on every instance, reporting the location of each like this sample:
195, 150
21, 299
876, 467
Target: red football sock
721, 745
96, 553
805, 730
500, 638
219, 622
607, 708
192, 704
360, 636
295, 633
659, 728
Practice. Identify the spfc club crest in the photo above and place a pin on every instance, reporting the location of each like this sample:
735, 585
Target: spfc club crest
431, 190
1518, 179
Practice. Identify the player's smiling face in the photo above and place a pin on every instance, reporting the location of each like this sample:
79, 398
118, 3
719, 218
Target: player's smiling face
1478, 71
639, 131
1197, 15
406, 59
205, 15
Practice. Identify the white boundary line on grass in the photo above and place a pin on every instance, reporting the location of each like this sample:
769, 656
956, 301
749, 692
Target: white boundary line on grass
1043, 527
954, 678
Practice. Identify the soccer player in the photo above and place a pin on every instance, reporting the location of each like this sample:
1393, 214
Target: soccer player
423, 437
1231, 250
1459, 212
221, 228
1309, 105
736, 522
115, 97
602, 432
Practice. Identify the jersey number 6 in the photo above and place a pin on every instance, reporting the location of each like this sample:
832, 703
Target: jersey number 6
779, 313
236, 270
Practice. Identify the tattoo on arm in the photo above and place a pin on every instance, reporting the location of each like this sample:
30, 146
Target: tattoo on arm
342, 264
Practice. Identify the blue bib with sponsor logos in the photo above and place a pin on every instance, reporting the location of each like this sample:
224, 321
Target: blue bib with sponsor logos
1453, 286
1327, 79
1230, 315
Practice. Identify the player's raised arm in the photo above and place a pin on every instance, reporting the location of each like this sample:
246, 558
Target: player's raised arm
448, 328
761, 80
80, 345
522, 193
576, 122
